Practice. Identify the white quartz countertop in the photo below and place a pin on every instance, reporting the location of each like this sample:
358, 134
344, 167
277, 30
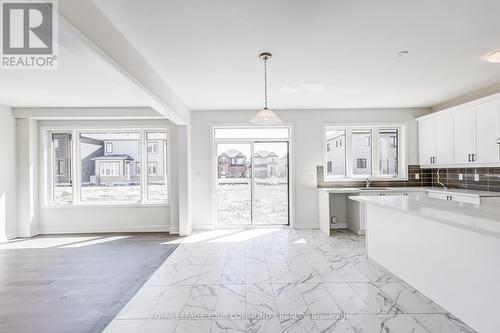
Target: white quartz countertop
471, 193
371, 189
484, 218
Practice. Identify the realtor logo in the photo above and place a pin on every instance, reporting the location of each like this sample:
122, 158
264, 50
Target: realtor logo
28, 31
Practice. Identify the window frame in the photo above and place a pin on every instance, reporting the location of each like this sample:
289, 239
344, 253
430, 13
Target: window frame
375, 174
47, 164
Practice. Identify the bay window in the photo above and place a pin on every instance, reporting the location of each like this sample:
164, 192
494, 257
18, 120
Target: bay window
106, 165
354, 152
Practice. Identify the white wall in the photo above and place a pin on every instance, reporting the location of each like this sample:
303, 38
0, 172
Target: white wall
27, 177
8, 175
75, 219
307, 152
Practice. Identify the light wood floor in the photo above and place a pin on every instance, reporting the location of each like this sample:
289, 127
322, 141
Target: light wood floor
74, 283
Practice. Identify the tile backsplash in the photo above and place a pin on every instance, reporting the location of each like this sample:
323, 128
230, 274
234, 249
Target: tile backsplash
479, 179
488, 179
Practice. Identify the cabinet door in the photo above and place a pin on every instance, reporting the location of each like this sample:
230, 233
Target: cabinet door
426, 140
444, 139
488, 130
464, 134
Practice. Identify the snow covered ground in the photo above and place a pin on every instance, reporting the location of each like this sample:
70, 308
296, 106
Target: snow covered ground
234, 204
112, 193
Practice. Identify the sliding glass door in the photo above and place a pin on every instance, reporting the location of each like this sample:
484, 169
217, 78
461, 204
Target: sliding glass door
270, 183
233, 183
252, 182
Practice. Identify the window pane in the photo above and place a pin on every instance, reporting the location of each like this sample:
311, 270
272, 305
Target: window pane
61, 175
388, 152
335, 152
362, 152
109, 168
157, 166
252, 133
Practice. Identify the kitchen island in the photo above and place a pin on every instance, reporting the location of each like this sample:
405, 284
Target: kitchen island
448, 250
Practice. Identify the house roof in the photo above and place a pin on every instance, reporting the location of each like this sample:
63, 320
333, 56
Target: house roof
232, 153
113, 157
264, 153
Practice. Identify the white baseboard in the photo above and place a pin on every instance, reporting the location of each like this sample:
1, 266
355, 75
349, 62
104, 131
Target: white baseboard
106, 229
202, 227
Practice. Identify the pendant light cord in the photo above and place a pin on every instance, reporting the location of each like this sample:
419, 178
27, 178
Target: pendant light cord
265, 83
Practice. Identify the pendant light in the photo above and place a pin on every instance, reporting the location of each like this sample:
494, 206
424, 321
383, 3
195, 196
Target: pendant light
265, 116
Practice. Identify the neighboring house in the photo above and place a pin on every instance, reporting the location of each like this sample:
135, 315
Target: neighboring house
265, 164
118, 162
282, 170
362, 152
232, 164
62, 159
335, 153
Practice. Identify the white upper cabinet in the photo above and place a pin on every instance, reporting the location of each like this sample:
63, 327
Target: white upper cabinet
444, 139
427, 140
466, 135
436, 140
488, 131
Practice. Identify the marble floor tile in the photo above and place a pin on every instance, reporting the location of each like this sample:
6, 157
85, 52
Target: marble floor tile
346, 298
263, 325
409, 300
234, 273
231, 299
257, 273
289, 299
335, 326
142, 304
280, 273
193, 325
318, 299
158, 325
365, 323
400, 323
260, 299
202, 300
124, 326
279, 280
442, 323
228, 325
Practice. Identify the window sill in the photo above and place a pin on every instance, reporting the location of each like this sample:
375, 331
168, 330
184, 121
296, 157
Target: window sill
109, 205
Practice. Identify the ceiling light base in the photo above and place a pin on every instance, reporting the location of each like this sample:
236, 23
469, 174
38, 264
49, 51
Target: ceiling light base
265, 56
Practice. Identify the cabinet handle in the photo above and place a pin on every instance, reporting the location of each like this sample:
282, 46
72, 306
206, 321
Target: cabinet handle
469, 158
434, 159
430, 160
473, 157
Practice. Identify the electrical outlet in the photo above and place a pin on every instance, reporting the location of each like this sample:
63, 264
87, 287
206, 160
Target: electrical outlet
476, 177
460, 176
417, 176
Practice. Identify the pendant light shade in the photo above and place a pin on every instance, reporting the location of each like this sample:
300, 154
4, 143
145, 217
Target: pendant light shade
265, 116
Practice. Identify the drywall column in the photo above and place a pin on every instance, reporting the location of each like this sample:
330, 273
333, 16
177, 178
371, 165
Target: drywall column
8, 175
180, 181
184, 181
27, 161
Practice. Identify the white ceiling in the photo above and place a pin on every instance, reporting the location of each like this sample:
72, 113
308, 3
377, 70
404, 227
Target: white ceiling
327, 54
82, 79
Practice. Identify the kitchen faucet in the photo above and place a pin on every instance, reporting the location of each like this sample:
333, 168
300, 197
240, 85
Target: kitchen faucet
368, 181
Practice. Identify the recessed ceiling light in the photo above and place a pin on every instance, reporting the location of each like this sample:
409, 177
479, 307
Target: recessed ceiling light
403, 53
493, 57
